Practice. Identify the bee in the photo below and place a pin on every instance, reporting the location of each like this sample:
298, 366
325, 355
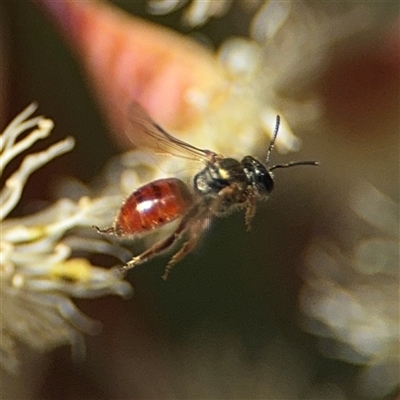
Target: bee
224, 185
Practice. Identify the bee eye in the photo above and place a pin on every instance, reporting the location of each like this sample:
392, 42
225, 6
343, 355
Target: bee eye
258, 175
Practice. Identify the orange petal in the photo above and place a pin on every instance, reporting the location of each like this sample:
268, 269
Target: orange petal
127, 59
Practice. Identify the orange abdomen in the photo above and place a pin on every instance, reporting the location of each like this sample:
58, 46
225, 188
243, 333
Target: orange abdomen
152, 206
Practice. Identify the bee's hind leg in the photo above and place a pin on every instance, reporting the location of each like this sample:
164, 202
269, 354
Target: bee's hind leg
110, 230
160, 246
157, 248
195, 230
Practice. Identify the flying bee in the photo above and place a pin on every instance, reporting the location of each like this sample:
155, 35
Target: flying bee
222, 186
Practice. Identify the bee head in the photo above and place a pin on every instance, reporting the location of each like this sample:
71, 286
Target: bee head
258, 176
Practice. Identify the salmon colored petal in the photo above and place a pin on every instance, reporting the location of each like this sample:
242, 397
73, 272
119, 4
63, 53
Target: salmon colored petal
127, 59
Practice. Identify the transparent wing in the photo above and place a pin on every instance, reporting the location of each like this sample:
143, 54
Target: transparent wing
147, 134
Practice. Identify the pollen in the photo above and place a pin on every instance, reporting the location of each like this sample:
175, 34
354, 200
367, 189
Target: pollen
74, 270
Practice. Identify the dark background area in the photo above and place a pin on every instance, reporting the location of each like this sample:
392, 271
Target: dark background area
237, 292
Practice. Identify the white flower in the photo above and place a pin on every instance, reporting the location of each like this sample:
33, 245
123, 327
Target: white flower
197, 13
353, 297
39, 275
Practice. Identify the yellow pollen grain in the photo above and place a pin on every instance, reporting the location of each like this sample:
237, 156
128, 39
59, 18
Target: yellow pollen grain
75, 270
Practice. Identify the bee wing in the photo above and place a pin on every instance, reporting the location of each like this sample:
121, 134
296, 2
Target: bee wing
145, 133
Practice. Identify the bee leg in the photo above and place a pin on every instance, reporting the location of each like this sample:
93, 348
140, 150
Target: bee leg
161, 245
195, 232
250, 211
109, 230
154, 250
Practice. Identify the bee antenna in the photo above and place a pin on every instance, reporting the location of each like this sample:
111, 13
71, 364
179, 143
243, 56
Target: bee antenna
293, 164
271, 147
272, 142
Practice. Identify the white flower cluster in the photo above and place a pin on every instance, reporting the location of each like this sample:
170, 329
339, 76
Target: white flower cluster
352, 298
39, 275
270, 72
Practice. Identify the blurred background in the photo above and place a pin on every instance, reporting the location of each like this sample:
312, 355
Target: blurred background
244, 314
